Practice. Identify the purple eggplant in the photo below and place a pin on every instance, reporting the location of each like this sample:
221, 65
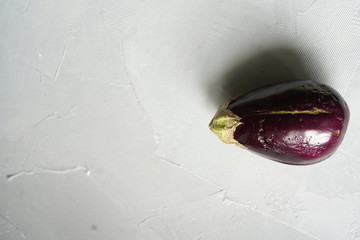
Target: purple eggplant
299, 122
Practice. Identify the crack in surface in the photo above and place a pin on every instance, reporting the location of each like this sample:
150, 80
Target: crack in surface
10, 223
190, 172
36, 170
61, 59
46, 118
71, 112
227, 200
27, 6
147, 219
153, 230
131, 85
165, 208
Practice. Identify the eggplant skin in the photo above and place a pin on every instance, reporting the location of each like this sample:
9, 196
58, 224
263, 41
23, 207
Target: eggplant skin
298, 122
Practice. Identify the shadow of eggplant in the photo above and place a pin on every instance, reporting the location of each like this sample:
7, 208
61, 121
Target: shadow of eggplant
263, 68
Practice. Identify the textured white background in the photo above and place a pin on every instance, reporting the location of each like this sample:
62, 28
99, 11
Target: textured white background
104, 112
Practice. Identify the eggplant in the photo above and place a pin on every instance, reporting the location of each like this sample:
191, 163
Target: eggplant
298, 122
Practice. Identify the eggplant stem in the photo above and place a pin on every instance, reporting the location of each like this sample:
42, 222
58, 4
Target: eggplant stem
224, 125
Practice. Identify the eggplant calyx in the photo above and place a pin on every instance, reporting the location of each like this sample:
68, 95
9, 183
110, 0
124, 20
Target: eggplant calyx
224, 125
